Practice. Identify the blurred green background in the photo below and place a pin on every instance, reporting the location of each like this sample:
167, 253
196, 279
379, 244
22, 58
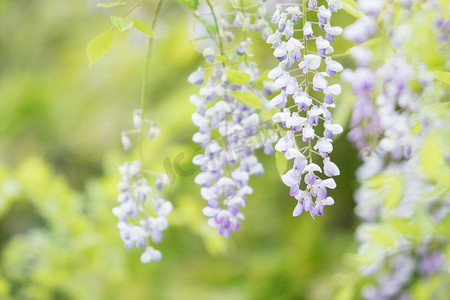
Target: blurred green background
59, 156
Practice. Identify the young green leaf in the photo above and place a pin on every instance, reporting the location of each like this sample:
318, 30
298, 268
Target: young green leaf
99, 46
262, 77
121, 23
267, 114
192, 4
110, 4
281, 162
211, 28
248, 98
142, 26
369, 44
350, 7
237, 77
430, 156
442, 76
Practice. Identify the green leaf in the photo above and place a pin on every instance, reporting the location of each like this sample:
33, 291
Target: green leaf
267, 114
370, 43
442, 76
121, 23
392, 184
237, 77
281, 162
384, 235
234, 57
426, 289
262, 77
395, 195
416, 129
346, 293
211, 28
248, 98
430, 156
350, 7
192, 4
110, 4
221, 58
405, 226
99, 46
142, 26
437, 110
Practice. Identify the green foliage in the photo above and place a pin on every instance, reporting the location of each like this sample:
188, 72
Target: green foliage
100, 46
262, 77
248, 98
433, 163
71, 119
281, 163
142, 26
266, 115
237, 77
211, 28
60, 148
352, 8
390, 185
442, 76
111, 4
121, 23
192, 4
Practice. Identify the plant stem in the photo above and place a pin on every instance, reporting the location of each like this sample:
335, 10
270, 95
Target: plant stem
146, 74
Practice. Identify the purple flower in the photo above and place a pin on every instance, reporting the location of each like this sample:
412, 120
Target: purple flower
301, 120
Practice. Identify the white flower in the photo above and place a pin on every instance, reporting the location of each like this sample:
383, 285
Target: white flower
319, 82
333, 30
294, 44
293, 153
126, 142
276, 72
324, 146
310, 62
285, 143
330, 169
333, 66
137, 120
281, 116
196, 77
208, 54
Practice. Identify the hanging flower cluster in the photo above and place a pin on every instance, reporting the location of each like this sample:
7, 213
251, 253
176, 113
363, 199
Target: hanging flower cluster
398, 205
383, 113
227, 106
398, 201
385, 103
302, 77
142, 213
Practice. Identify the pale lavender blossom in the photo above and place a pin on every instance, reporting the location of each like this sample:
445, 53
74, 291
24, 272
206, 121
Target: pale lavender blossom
295, 75
227, 163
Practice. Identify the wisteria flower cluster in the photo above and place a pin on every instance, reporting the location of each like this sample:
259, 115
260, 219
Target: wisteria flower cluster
228, 162
397, 201
301, 75
383, 113
137, 225
385, 104
421, 252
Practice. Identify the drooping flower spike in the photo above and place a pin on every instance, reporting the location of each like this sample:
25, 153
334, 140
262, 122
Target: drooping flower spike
391, 125
301, 77
384, 108
228, 161
142, 212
